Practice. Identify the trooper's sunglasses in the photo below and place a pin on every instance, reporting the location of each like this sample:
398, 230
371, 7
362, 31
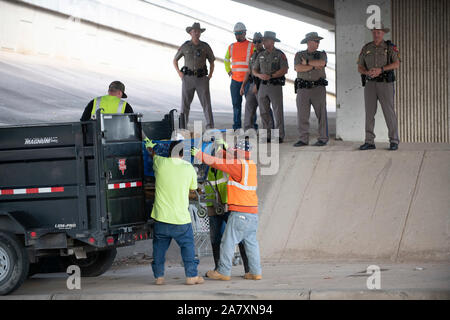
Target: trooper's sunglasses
257, 41
239, 33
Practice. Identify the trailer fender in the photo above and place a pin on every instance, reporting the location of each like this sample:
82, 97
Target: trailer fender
9, 224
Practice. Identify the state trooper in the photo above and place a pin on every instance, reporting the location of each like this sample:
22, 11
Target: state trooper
376, 64
251, 99
271, 65
310, 88
194, 74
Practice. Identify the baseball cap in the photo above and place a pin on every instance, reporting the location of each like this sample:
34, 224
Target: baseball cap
118, 86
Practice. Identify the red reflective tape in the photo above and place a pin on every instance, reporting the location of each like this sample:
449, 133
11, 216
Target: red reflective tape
125, 185
31, 190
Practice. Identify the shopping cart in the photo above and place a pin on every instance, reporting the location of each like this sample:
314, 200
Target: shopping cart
200, 227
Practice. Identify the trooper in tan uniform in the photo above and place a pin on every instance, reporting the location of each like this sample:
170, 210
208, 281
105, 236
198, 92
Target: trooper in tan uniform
194, 74
251, 100
271, 65
310, 88
376, 63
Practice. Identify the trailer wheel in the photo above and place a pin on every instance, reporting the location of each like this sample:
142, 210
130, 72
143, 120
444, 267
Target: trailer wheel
96, 263
14, 263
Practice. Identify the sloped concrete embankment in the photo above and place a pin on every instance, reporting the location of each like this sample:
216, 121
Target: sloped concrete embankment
339, 203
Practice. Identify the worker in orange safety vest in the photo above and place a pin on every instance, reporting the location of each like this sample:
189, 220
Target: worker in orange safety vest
242, 223
236, 65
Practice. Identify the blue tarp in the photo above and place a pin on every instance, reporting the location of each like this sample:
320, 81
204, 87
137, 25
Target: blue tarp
162, 149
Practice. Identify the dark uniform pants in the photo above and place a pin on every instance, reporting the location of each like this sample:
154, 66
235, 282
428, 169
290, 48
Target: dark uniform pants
190, 84
384, 92
251, 104
269, 93
318, 98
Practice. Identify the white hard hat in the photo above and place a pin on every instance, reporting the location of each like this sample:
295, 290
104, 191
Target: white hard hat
239, 27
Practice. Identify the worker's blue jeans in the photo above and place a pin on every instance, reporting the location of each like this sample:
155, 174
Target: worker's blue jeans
236, 99
240, 227
216, 229
163, 233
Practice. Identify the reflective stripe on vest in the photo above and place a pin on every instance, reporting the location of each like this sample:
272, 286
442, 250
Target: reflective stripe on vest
220, 184
108, 104
243, 193
240, 53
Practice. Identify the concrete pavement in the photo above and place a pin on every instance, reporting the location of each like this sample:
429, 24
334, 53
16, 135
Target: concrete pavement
286, 281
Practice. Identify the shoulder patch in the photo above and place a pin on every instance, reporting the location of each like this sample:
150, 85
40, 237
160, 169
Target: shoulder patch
283, 56
390, 44
394, 47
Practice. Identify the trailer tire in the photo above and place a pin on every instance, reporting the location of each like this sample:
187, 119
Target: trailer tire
97, 262
14, 263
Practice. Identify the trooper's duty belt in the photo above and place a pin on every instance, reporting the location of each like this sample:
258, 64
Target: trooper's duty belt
387, 76
275, 81
305, 84
198, 73
255, 80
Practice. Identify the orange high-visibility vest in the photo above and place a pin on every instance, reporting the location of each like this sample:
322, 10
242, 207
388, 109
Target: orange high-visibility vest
242, 193
240, 53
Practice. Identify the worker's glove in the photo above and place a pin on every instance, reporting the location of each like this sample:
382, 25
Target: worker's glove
222, 143
149, 143
194, 151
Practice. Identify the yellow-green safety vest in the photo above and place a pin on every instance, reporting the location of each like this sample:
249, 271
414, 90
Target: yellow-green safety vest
218, 181
109, 104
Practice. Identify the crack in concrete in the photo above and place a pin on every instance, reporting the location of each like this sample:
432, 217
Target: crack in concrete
410, 205
299, 208
385, 170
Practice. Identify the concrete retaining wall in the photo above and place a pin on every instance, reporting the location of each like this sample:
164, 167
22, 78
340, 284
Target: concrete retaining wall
340, 203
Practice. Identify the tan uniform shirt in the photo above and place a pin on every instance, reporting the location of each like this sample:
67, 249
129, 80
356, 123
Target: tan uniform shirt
315, 74
195, 55
373, 56
251, 62
269, 62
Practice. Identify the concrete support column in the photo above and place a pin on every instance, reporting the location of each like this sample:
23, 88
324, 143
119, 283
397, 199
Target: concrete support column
351, 35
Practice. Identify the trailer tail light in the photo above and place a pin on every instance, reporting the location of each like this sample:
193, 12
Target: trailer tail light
110, 240
33, 234
91, 240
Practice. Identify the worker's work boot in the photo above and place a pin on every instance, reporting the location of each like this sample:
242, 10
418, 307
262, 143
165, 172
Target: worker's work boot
159, 281
249, 276
195, 280
213, 274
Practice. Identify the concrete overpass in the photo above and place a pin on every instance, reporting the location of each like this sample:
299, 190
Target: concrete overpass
319, 13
